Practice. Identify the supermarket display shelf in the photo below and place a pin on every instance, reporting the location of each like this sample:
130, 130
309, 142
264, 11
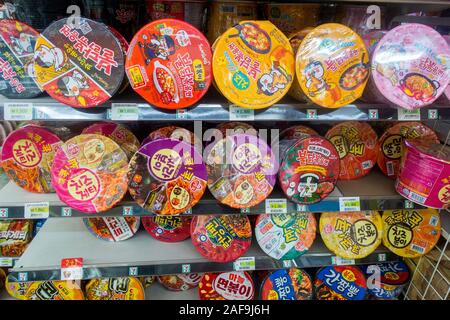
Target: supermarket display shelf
373, 192
144, 256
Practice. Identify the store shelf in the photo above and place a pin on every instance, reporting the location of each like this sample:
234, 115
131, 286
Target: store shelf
142, 255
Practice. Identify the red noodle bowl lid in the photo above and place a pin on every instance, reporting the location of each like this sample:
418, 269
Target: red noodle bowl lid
226, 286
168, 228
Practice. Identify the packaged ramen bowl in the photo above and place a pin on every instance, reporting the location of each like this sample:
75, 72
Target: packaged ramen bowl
241, 170
175, 133
411, 233
17, 290
332, 65
359, 18
124, 45
54, 290
89, 173
351, 235
357, 145
15, 235
235, 127
17, 41
168, 228
340, 283
27, 156
285, 236
290, 135
287, 284
391, 144
221, 238
167, 177
180, 282
147, 281
80, 65
393, 276
253, 64
169, 64
113, 228
409, 65
226, 286
125, 288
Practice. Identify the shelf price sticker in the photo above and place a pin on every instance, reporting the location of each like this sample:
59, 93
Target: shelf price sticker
66, 212
37, 210
408, 115
127, 211
373, 114
244, 264
124, 111
276, 206
349, 204
241, 114
186, 268
72, 269
338, 261
18, 111
311, 114
6, 262
3, 212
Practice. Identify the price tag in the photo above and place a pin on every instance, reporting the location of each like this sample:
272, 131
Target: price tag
347, 204
66, 212
238, 113
18, 111
433, 114
124, 111
274, 206
408, 115
381, 257
3, 212
6, 262
72, 269
311, 114
338, 261
181, 114
373, 114
127, 211
133, 271
186, 268
244, 264
38, 210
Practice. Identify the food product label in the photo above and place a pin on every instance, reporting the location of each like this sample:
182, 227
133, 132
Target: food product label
244, 264
340, 283
168, 228
338, 261
349, 204
6, 262
72, 269
241, 114
113, 228
39, 210
54, 290
18, 111
234, 286
275, 206
123, 288
124, 111
292, 284
408, 115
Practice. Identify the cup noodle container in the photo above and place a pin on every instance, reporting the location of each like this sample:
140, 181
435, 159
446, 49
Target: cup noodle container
226, 286
80, 66
147, 281
169, 64
54, 290
125, 288
124, 45
241, 170
332, 65
340, 283
180, 282
27, 156
351, 235
253, 64
393, 278
125, 16
357, 145
113, 228
411, 233
285, 236
167, 177
89, 173
168, 228
16, 60
221, 238
424, 174
358, 18
17, 290
409, 65
15, 236
175, 133
445, 97
391, 144
287, 284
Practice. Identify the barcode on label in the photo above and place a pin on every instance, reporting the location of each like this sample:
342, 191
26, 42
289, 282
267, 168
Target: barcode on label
367, 165
417, 248
415, 197
434, 221
390, 168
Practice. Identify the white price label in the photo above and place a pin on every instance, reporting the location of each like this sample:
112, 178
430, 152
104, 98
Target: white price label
244, 264
124, 111
408, 115
72, 269
274, 206
238, 113
18, 111
38, 210
349, 204
338, 261
6, 262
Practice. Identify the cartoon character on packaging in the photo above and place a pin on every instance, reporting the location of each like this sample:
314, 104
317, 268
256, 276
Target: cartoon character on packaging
314, 73
70, 86
277, 79
46, 57
24, 44
307, 185
157, 47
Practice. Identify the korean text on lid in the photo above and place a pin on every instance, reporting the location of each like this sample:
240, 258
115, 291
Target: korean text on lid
124, 288
340, 283
168, 228
290, 284
113, 228
226, 286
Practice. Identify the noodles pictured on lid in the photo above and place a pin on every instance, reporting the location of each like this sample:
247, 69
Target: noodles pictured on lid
79, 64
27, 156
410, 65
357, 145
167, 177
226, 286
340, 283
168, 228
124, 288
290, 284
175, 133
54, 290
15, 235
180, 282
89, 173
113, 228
253, 64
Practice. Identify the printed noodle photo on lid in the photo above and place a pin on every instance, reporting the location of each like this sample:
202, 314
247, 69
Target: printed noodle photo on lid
89, 173
123, 288
27, 156
340, 283
285, 236
54, 290
79, 65
17, 80
15, 235
253, 64
411, 233
394, 276
113, 228
175, 133
351, 235
357, 145
180, 282
409, 65
169, 64
287, 284
391, 144
226, 286
222, 238
168, 228
167, 177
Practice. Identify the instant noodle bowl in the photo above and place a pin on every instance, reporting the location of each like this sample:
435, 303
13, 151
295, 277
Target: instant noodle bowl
253, 64
168, 228
332, 65
54, 290
234, 127
357, 145
340, 283
393, 278
287, 284
226, 286
80, 65
180, 282
89, 173
125, 288
16, 60
175, 133
351, 235
27, 156
309, 170
124, 45
411, 233
410, 65
118, 133
297, 132
391, 144
17, 290
221, 238
295, 39
169, 64
192, 11
167, 177
285, 236
15, 235
424, 174
359, 18
113, 228
147, 281
241, 170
